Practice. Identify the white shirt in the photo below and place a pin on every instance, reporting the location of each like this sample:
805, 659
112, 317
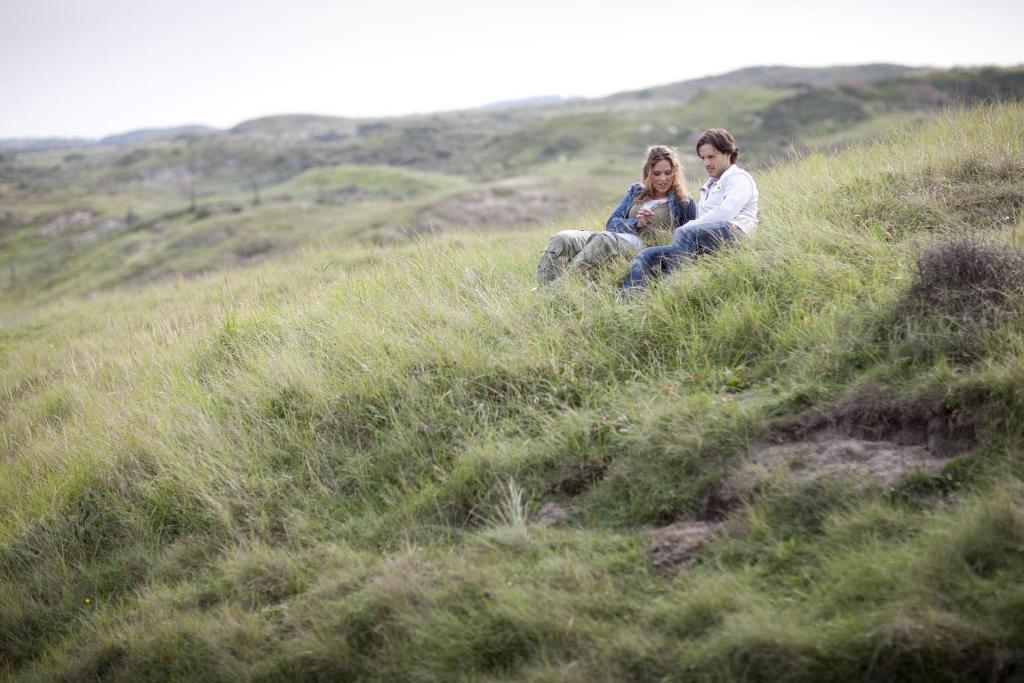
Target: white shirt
731, 197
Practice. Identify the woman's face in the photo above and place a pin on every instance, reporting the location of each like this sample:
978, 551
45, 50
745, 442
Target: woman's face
661, 176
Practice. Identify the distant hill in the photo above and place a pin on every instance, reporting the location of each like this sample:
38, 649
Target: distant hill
35, 144
291, 125
540, 101
771, 77
119, 140
153, 134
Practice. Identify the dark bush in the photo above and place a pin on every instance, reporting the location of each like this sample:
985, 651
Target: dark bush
966, 278
817, 107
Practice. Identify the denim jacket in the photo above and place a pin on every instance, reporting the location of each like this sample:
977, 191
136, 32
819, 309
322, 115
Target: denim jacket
618, 222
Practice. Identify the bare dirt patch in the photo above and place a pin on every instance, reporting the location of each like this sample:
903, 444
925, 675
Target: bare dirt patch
67, 221
830, 454
874, 414
552, 513
674, 547
819, 454
104, 228
582, 477
507, 204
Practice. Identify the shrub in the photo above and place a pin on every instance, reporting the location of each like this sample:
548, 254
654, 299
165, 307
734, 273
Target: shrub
966, 278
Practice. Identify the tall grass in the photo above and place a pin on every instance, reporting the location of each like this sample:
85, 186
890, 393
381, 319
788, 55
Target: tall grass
325, 468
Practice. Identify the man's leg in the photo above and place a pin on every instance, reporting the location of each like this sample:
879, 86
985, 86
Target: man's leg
688, 242
562, 248
601, 248
700, 239
647, 264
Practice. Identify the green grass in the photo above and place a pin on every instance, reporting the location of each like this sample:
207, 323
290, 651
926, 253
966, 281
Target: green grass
331, 467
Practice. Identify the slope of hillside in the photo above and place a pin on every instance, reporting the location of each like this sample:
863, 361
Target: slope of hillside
99, 217
798, 460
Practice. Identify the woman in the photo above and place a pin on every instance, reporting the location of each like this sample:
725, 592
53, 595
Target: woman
647, 214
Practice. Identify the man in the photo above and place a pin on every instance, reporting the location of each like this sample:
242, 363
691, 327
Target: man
727, 210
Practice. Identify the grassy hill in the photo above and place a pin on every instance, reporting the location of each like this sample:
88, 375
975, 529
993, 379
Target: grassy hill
796, 460
770, 77
184, 201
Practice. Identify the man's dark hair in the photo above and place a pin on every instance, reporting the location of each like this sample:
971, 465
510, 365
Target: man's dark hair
720, 139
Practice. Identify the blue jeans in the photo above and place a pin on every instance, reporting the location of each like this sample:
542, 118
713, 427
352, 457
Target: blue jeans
688, 242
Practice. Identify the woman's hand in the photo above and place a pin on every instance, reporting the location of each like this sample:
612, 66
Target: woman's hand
643, 218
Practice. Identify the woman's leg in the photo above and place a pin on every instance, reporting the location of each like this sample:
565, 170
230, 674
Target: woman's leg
562, 248
601, 248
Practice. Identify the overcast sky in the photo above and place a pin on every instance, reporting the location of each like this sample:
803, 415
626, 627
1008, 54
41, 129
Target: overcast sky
96, 67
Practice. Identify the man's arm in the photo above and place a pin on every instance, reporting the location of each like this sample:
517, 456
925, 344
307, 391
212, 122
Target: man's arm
737, 191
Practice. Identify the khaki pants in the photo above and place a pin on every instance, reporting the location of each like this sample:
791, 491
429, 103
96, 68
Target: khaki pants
580, 250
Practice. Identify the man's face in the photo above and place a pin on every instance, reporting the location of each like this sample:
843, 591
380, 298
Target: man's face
715, 163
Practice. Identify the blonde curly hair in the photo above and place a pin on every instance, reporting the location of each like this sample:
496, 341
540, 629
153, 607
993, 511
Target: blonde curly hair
657, 153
